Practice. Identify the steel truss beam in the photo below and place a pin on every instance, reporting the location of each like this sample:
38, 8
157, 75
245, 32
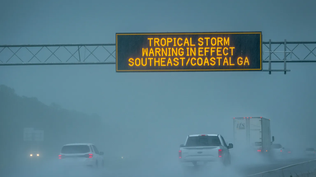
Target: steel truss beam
288, 52
74, 54
57, 54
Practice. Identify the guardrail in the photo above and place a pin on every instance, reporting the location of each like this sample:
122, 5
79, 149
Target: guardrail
306, 168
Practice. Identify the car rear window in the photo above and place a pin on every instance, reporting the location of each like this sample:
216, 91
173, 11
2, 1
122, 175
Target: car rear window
73, 149
203, 141
310, 149
276, 146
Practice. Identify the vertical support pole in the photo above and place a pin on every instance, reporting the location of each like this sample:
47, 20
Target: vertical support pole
247, 121
270, 56
284, 56
79, 54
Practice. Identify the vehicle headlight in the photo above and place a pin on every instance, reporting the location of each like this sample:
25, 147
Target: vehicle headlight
37, 155
31, 155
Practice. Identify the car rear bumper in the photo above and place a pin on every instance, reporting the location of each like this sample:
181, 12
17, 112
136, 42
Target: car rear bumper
77, 162
201, 159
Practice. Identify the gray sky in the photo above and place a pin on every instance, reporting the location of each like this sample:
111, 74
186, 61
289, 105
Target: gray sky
162, 104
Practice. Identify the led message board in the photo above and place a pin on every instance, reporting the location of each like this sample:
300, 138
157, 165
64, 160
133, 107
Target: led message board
218, 51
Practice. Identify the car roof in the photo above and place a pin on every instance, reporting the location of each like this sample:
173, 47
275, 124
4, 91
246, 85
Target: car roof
71, 144
193, 135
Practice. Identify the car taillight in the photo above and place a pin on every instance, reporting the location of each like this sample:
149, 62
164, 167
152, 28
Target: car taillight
259, 150
281, 150
89, 156
220, 153
59, 156
180, 154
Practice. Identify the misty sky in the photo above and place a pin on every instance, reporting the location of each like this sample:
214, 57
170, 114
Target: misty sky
162, 104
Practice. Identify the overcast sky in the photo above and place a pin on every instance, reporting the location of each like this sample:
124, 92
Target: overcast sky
161, 104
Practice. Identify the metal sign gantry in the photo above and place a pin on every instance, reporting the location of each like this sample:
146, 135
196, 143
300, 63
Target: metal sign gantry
83, 54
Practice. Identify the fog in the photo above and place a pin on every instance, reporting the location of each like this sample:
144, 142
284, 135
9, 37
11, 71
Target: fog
144, 117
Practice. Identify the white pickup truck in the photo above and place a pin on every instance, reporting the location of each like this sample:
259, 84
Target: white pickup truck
205, 148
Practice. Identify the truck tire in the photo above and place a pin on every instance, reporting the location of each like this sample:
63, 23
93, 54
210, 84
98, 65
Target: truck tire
96, 164
226, 162
194, 164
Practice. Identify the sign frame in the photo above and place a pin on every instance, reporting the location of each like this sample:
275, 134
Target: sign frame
188, 33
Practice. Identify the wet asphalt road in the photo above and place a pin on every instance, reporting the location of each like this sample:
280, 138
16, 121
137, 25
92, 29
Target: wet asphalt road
158, 168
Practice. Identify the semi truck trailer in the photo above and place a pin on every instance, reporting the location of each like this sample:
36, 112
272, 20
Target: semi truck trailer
253, 134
